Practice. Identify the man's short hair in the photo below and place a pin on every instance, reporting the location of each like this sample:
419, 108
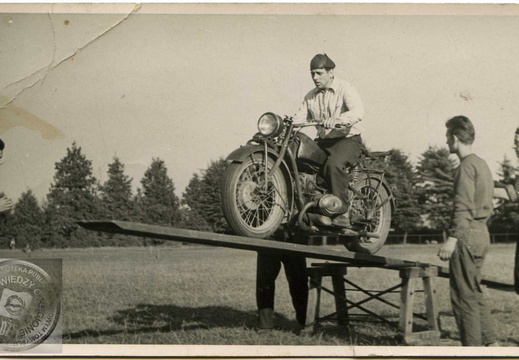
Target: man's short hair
461, 127
2, 145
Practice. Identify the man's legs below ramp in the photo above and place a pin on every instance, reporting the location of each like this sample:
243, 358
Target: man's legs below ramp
295, 270
267, 270
516, 267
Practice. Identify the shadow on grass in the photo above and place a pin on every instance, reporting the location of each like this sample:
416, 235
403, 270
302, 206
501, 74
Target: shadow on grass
147, 318
363, 334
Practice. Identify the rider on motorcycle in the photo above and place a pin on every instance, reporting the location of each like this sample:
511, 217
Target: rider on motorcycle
334, 102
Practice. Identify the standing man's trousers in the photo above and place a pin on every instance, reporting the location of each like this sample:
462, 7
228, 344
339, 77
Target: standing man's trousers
268, 268
516, 267
342, 154
470, 309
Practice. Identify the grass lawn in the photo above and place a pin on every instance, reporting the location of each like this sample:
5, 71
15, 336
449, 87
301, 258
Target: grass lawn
204, 295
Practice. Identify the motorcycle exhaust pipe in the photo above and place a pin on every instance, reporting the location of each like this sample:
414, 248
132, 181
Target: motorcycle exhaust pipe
300, 218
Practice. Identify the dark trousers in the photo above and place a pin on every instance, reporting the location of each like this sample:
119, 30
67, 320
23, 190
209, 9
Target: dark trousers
342, 154
268, 268
469, 306
516, 267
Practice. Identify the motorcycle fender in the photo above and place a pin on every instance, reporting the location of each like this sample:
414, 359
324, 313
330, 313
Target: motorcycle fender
240, 154
385, 184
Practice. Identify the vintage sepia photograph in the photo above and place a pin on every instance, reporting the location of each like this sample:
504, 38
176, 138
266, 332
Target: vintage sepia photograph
259, 180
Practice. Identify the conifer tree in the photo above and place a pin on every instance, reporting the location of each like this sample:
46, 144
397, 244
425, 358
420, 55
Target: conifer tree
202, 196
72, 197
28, 221
117, 203
158, 202
506, 215
402, 179
436, 178
116, 193
191, 218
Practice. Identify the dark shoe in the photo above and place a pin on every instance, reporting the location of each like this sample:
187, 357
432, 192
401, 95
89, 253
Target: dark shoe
265, 319
320, 220
342, 220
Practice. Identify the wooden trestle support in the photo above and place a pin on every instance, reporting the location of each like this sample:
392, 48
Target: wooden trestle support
408, 287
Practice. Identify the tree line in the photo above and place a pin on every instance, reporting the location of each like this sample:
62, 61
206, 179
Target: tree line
424, 201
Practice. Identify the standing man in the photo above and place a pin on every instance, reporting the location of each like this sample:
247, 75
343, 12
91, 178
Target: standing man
469, 239
334, 102
267, 270
5, 203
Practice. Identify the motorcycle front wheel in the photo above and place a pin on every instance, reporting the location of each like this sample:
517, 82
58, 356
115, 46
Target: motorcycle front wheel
374, 207
252, 205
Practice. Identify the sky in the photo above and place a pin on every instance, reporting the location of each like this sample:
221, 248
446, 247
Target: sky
188, 88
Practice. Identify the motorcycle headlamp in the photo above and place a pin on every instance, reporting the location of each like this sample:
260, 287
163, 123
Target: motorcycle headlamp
270, 124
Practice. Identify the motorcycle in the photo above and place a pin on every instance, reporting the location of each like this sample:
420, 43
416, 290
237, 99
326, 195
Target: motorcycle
273, 183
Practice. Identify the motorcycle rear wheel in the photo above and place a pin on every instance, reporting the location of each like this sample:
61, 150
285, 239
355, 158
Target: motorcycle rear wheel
252, 207
380, 215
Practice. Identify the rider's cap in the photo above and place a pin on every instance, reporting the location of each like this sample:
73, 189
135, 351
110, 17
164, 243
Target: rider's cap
321, 61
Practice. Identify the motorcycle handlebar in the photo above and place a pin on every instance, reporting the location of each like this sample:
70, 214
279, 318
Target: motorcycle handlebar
317, 123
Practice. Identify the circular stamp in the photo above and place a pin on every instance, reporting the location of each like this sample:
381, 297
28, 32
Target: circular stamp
29, 305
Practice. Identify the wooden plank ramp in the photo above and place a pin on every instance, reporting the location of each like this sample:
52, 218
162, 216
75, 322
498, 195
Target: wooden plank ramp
253, 244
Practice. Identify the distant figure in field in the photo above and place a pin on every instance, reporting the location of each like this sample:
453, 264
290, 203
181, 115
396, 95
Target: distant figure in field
511, 193
12, 244
5, 203
469, 239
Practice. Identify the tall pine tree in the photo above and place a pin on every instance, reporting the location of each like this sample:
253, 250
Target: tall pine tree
72, 197
191, 217
436, 178
157, 199
116, 193
118, 203
28, 221
506, 215
202, 196
402, 179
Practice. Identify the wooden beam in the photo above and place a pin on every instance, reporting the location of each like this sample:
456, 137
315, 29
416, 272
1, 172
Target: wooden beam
266, 245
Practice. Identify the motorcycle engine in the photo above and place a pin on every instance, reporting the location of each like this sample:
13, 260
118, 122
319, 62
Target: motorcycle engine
309, 184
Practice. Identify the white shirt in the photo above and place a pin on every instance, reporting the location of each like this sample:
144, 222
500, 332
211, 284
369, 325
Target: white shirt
341, 101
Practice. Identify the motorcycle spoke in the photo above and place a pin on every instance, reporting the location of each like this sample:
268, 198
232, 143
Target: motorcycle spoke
250, 217
257, 215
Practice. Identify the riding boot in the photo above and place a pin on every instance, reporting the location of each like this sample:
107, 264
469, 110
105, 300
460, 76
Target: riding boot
319, 220
265, 318
342, 220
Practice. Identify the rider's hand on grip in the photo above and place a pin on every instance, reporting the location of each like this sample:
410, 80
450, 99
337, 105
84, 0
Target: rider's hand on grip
334, 123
